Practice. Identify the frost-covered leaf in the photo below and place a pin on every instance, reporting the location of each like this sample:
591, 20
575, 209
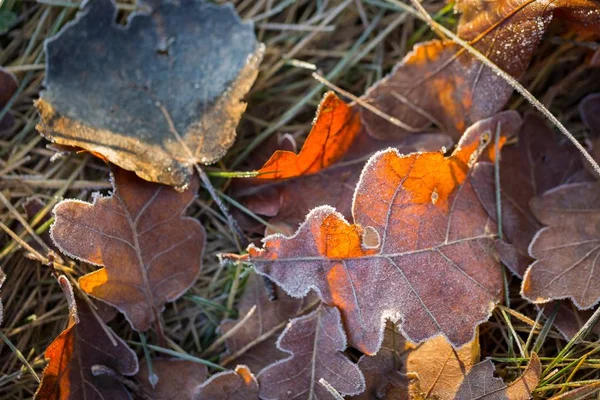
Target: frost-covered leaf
177, 379
567, 249
83, 345
267, 315
420, 251
182, 66
314, 343
229, 385
150, 253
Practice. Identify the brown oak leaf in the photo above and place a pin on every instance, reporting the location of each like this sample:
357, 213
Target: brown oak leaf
440, 82
268, 315
333, 131
124, 93
229, 385
177, 379
420, 250
83, 345
567, 249
481, 384
314, 343
150, 253
439, 369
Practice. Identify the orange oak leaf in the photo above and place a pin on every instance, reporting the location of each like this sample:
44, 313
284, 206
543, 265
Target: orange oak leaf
567, 249
379, 369
333, 131
177, 379
438, 370
420, 251
261, 328
536, 164
81, 347
177, 69
480, 383
314, 343
229, 385
150, 253
440, 82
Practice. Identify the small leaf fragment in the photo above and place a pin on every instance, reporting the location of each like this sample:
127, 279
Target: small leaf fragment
177, 379
314, 342
150, 253
184, 66
240, 384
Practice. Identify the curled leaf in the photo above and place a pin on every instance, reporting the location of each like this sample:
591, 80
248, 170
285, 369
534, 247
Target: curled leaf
74, 354
567, 249
333, 131
151, 254
229, 385
314, 342
183, 67
420, 250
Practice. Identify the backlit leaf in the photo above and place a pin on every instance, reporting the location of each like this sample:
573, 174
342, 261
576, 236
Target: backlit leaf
314, 343
420, 251
151, 254
333, 131
177, 379
567, 249
72, 355
122, 92
230, 385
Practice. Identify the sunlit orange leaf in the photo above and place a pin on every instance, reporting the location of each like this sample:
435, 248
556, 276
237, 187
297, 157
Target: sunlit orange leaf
177, 69
73, 354
177, 379
230, 385
151, 253
333, 131
480, 383
314, 343
536, 164
267, 315
440, 83
379, 369
420, 251
8, 86
567, 249
439, 369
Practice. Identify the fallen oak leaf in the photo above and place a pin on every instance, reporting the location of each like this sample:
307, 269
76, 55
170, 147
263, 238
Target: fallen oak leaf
151, 254
240, 384
269, 314
130, 89
567, 249
333, 131
314, 343
177, 379
73, 355
420, 249
439, 82
481, 384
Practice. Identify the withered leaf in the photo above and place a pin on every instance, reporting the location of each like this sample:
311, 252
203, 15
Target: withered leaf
536, 164
8, 86
439, 369
440, 82
567, 249
420, 250
268, 315
72, 355
333, 131
314, 343
151, 254
230, 385
481, 384
184, 66
177, 379
379, 369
